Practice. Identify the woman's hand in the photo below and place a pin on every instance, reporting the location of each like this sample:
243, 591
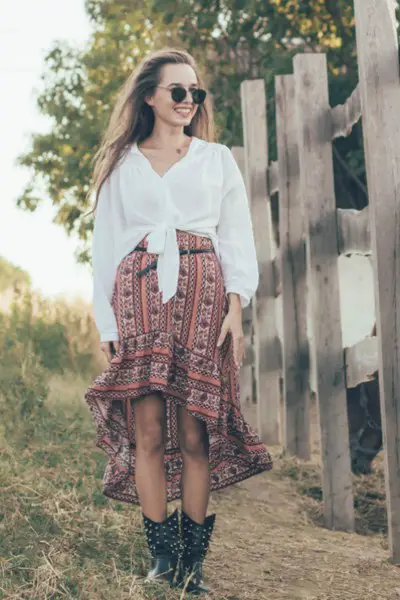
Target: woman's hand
233, 323
109, 348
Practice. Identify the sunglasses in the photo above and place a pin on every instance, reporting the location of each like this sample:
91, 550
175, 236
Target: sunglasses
179, 93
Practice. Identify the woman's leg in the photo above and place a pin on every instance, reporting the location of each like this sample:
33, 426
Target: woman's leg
149, 414
195, 485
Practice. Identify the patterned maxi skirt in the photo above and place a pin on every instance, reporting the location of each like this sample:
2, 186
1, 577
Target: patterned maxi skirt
172, 349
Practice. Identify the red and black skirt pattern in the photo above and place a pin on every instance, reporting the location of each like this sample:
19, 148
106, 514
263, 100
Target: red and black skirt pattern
172, 349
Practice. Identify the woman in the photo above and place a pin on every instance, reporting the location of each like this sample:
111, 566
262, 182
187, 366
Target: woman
174, 262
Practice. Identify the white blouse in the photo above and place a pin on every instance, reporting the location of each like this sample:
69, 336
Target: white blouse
203, 193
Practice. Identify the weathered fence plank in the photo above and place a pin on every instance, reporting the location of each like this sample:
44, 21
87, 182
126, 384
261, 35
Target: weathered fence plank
273, 177
292, 265
378, 61
345, 116
354, 231
318, 198
361, 361
246, 371
255, 133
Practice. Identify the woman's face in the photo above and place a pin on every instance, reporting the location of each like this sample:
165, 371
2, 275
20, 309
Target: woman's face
177, 114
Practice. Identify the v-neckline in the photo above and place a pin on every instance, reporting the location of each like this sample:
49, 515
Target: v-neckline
136, 147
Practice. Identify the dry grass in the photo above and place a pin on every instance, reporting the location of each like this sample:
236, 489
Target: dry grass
62, 538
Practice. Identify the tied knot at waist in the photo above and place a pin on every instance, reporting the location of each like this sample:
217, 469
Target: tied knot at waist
164, 242
156, 241
153, 264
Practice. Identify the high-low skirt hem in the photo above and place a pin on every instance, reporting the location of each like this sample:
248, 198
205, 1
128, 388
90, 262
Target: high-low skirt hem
235, 452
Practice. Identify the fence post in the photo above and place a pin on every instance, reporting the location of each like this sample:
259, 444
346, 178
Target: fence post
246, 371
377, 49
318, 198
293, 275
266, 346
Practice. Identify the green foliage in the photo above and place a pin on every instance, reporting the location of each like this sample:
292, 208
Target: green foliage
62, 335
54, 332
23, 387
38, 338
48, 340
12, 276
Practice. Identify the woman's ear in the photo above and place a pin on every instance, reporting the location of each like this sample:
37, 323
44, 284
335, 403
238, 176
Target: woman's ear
149, 100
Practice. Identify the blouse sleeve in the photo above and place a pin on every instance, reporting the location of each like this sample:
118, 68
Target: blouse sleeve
103, 260
235, 233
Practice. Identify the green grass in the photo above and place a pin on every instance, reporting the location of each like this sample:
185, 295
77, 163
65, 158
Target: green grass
60, 537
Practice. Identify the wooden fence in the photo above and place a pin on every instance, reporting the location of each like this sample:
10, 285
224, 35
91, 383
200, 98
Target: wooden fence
313, 233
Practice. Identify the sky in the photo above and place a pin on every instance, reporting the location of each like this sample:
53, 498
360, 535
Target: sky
31, 240
28, 28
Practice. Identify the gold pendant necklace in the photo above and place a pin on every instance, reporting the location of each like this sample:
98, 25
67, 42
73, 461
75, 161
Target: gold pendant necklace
178, 150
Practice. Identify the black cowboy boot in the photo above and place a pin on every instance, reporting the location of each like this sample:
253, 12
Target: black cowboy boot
164, 544
195, 542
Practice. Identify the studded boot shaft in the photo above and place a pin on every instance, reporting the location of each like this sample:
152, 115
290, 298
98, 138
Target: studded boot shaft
195, 543
164, 544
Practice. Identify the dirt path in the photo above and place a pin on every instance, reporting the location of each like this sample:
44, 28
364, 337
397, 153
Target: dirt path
269, 545
266, 547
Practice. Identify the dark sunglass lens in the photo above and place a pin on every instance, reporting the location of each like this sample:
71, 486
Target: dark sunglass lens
178, 94
199, 95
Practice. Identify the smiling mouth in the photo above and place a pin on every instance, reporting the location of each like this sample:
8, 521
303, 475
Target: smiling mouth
183, 112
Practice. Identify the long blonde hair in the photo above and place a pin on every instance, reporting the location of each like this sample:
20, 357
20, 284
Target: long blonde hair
132, 119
